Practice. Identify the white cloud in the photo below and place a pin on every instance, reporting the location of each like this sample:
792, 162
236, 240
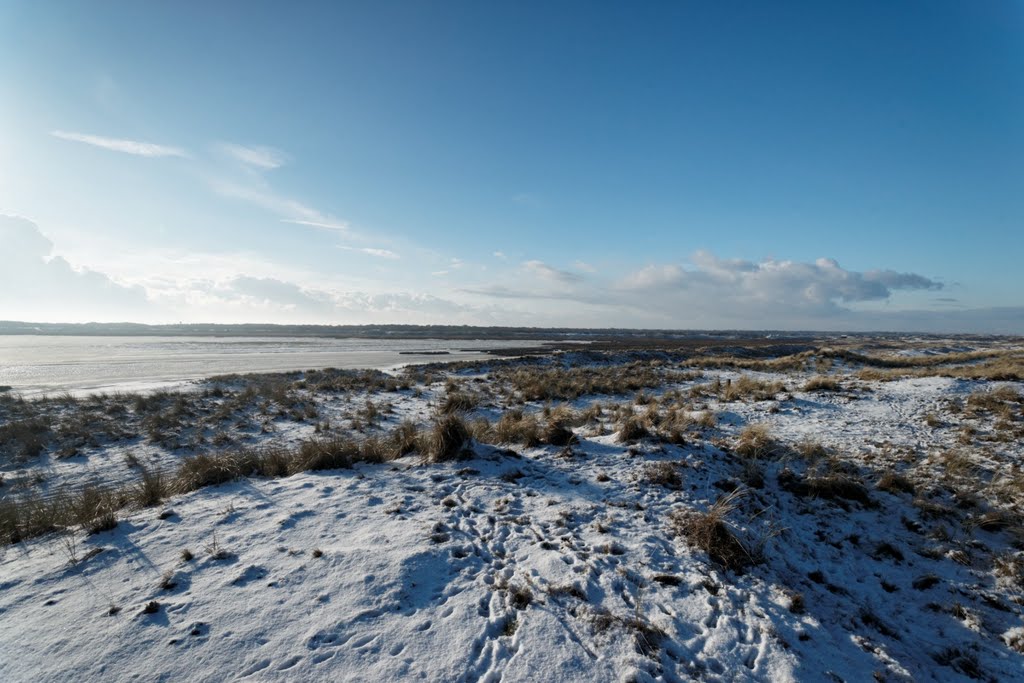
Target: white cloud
711, 292
287, 294
766, 290
501, 255
257, 156
264, 197
894, 280
36, 285
653, 276
584, 266
38, 282
382, 253
543, 270
326, 224
503, 292
144, 149
291, 302
291, 210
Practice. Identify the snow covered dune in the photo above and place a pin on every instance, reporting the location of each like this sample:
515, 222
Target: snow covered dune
721, 526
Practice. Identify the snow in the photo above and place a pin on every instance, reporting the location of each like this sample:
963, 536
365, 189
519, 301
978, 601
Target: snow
528, 564
383, 601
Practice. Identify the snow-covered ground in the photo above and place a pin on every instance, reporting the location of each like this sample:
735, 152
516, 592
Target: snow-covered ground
551, 563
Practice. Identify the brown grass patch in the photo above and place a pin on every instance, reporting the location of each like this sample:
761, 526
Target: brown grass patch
633, 428
516, 427
448, 440
894, 482
662, 474
822, 383
711, 532
749, 388
756, 441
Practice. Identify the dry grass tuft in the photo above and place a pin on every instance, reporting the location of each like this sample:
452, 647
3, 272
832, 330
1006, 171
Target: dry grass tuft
23, 439
997, 520
274, 462
756, 441
995, 399
633, 428
516, 427
662, 474
711, 532
832, 485
325, 454
647, 638
558, 434
748, 388
152, 488
894, 482
404, 438
957, 465
822, 383
448, 440
458, 402
95, 509
206, 470
811, 450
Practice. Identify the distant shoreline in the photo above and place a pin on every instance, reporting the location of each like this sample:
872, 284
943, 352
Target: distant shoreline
616, 336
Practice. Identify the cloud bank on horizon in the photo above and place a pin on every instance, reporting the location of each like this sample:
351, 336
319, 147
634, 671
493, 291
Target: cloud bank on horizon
828, 168
706, 292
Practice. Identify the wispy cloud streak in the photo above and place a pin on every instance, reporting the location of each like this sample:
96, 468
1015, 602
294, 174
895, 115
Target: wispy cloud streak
543, 270
136, 147
264, 158
382, 253
326, 224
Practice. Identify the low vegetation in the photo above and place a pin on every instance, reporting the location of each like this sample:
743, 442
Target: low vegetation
589, 467
94, 508
756, 442
712, 532
547, 381
449, 439
822, 383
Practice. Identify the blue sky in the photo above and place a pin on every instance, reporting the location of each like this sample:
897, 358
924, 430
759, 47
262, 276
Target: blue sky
734, 164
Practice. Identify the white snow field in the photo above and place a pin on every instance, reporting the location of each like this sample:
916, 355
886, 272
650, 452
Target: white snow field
879, 526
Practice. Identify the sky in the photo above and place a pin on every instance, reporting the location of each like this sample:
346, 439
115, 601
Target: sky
725, 165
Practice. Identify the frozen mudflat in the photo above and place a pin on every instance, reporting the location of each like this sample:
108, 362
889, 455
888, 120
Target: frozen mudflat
38, 365
878, 523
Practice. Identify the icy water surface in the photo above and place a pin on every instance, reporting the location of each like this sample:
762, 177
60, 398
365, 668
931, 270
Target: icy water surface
34, 365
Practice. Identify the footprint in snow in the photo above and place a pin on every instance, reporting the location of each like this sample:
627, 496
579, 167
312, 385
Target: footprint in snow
326, 639
250, 574
289, 521
289, 663
255, 668
363, 641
